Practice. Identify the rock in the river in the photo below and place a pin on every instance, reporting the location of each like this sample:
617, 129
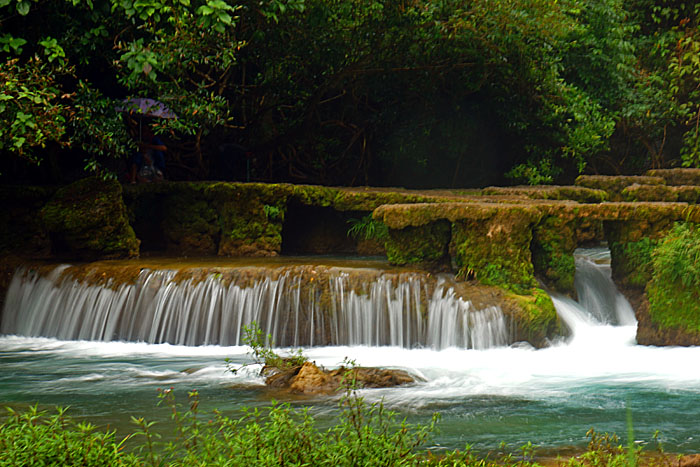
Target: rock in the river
310, 379
690, 460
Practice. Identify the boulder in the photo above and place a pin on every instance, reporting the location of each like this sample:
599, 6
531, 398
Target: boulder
310, 379
88, 220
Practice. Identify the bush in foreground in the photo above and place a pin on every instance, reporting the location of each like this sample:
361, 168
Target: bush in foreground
365, 435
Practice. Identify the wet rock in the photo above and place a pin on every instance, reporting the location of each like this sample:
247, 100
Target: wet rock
691, 460
310, 379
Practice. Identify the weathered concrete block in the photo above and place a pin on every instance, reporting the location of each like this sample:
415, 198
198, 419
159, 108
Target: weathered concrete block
678, 176
575, 193
553, 245
425, 245
614, 184
250, 217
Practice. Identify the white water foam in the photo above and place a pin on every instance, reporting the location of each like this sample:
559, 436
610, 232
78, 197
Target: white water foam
597, 352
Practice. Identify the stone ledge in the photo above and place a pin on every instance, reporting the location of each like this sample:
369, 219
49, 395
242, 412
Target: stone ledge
677, 177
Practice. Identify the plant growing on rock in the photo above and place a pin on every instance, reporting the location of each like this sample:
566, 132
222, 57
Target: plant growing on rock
262, 353
368, 228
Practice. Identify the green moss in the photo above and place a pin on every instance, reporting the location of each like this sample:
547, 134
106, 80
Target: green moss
496, 251
638, 192
426, 245
546, 192
553, 245
190, 225
313, 195
631, 245
615, 184
537, 318
634, 261
245, 218
674, 289
88, 219
677, 177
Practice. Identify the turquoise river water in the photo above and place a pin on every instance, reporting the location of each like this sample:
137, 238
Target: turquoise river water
512, 393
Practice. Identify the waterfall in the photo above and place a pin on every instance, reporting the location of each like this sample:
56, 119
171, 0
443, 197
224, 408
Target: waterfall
601, 311
295, 306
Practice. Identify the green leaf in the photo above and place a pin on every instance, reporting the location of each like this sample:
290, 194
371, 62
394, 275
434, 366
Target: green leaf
23, 8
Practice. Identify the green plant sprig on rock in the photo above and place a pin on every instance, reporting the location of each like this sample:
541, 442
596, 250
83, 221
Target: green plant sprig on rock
262, 353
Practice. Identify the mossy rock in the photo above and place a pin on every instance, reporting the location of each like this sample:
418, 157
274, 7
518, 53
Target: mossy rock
685, 194
674, 306
631, 246
534, 316
425, 245
674, 286
88, 220
553, 245
677, 177
615, 184
637, 192
190, 224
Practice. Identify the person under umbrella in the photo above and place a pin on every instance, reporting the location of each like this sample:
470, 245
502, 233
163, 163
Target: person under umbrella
148, 164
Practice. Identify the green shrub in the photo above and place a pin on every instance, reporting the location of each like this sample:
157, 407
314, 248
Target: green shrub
37, 438
366, 435
677, 258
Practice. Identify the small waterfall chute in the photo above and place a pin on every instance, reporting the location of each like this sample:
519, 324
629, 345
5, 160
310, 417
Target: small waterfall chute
601, 312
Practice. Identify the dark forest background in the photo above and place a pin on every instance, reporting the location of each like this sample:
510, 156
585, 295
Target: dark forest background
415, 93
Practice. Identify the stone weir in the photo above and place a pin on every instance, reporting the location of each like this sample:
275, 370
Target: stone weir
518, 239
297, 305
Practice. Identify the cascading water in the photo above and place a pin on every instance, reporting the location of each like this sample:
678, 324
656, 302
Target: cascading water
160, 308
601, 309
511, 394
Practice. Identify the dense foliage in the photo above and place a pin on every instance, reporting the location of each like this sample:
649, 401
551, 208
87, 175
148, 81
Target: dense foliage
411, 92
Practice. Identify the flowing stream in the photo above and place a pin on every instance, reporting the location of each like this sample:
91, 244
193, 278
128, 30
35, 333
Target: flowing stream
487, 389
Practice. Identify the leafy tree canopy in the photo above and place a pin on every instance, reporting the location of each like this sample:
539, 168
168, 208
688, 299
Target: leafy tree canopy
412, 92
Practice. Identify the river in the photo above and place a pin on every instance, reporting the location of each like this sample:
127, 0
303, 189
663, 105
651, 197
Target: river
486, 393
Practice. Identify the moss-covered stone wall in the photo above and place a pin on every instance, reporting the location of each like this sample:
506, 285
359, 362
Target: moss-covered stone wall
673, 289
677, 177
424, 245
613, 185
553, 245
504, 238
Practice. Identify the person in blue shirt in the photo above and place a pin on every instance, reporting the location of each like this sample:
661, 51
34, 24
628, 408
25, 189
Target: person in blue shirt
148, 164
